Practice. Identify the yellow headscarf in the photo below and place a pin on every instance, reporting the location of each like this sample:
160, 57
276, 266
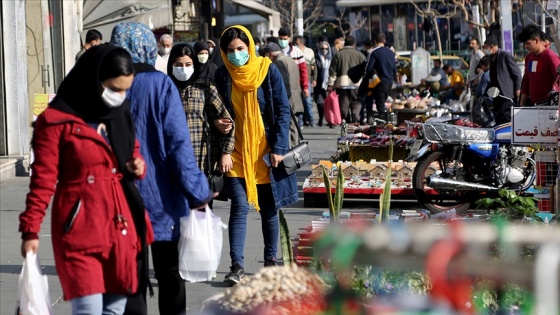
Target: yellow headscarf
246, 80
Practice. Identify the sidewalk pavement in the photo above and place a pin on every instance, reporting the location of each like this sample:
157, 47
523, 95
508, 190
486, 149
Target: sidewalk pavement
322, 142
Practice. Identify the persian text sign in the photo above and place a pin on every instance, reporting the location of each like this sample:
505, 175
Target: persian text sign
41, 102
534, 125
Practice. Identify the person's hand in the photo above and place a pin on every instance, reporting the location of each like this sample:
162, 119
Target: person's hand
517, 93
226, 163
29, 246
275, 159
314, 83
329, 88
136, 166
224, 125
306, 93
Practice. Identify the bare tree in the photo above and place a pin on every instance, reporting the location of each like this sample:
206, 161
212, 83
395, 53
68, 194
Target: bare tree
344, 25
430, 12
551, 26
312, 11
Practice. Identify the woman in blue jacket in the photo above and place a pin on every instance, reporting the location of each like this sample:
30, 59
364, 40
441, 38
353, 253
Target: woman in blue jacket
173, 184
254, 94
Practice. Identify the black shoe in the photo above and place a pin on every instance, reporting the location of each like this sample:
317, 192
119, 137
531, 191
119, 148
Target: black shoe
235, 274
270, 262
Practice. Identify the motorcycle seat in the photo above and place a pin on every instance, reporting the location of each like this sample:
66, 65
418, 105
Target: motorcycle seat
446, 133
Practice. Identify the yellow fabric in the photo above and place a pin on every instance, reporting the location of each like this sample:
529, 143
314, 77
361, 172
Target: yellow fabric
250, 137
457, 81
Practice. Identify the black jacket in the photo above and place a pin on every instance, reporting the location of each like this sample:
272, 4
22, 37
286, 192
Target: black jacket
508, 76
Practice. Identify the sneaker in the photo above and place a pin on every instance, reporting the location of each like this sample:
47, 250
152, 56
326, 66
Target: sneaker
235, 274
270, 262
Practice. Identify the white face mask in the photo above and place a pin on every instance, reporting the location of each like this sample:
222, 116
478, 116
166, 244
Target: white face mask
369, 51
210, 50
183, 73
167, 50
487, 51
202, 58
112, 99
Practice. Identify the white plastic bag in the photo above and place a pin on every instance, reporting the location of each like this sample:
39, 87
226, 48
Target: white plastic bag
200, 245
33, 288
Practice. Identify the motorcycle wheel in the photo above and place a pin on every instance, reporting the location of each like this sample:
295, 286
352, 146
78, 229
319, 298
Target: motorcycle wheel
443, 200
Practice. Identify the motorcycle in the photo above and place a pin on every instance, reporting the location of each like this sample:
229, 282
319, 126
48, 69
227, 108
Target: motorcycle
458, 165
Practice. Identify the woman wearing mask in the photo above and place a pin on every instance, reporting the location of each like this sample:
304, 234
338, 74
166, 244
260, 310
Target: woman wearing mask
174, 185
204, 67
254, 94
323, 60
202, 103
87, 156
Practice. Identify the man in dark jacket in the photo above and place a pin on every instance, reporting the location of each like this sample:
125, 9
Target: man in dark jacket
381, 62
505, 75
290, 74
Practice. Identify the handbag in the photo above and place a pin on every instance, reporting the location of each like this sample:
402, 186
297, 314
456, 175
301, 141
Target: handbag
215, 176
298, 156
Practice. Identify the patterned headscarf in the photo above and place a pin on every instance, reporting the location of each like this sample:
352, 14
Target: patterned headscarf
138, 40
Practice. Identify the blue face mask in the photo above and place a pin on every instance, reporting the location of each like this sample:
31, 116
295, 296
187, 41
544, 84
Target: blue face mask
283, 43
238, 58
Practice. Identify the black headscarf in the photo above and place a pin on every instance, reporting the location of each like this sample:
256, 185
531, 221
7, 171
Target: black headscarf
204, 69
216, 55
80, 95
180, 50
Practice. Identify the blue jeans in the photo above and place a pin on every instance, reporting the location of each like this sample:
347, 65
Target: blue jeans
238, 219
308, 105
99, 304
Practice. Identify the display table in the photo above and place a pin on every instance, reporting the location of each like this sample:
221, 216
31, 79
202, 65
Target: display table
366, 152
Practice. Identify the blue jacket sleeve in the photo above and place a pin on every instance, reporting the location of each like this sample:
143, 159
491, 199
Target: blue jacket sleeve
181, 160
282, 113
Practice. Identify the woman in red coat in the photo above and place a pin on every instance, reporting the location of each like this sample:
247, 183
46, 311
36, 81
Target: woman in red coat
87, 156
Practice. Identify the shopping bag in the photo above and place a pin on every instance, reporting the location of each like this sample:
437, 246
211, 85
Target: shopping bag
200, 245
332, 109
33, 288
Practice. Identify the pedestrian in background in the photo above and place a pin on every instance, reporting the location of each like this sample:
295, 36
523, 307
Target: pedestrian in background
87, 156
346, 58
382, 63
204, 68
309, 56
540, 67
323, 62
261, 140
174, 184
93, 38
289, 49
290, 75
506, 76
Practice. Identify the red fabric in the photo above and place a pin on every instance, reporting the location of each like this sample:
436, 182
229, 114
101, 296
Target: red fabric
303, 78
75, 164
332, 109
540, 75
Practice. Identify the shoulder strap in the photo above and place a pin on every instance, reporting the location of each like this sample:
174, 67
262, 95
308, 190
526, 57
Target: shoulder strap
206, 125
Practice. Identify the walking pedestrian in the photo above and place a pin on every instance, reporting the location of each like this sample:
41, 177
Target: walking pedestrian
323, 60
174, 184
87, 156
254, 93
202, 104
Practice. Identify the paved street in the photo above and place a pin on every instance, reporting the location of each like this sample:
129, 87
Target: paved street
12, 197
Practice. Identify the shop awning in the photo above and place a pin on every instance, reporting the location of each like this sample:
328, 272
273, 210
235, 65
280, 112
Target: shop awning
103, 15
271, 15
